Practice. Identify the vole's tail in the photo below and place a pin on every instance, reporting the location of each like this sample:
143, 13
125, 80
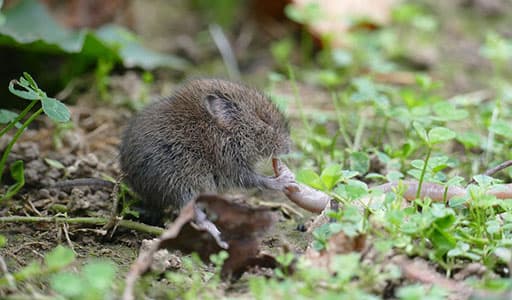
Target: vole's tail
83, 182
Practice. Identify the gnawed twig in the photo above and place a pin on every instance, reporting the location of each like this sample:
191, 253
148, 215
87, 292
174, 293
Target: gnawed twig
494, 170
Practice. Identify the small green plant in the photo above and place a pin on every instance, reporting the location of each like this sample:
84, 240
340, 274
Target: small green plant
335, 282
195, 280
52, 107
434, 136
94, 281
54, 261
102, 79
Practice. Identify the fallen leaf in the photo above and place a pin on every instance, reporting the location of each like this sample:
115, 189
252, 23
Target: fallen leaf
240, 226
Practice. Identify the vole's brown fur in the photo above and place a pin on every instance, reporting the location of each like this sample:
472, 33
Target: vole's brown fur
206, 137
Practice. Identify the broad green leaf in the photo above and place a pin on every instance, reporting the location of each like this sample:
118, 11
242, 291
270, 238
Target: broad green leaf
347, 174
133, 54
418, 164
28, 95
360, 162
493, 226
445, 111
331, 175
7, 116
483, 180
3, 241
99, 274
502, 127
443, 240
59, 257
68, 284
310, 178
445, 217
44, 34
392, 176
469, 139
55, 110
438, 135
356, 189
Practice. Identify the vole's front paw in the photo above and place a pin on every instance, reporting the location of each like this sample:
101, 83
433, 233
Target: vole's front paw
283, 182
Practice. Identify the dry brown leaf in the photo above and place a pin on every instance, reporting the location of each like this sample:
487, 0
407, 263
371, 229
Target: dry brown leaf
240, 226
338, 16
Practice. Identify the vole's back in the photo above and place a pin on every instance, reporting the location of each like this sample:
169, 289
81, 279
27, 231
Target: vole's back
206, 137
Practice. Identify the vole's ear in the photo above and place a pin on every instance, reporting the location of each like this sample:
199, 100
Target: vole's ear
221, 109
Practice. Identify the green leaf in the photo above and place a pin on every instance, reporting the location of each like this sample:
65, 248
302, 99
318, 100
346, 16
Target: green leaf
331, 175
30, 80
392, 176
360, 162
438, 135
28, 95
457, 202
54, 163
99, 274
7, 116
420, 130
59, 257
356, 189
347, 266
18, 174
347, 174
67, 284
44, 34
133, 54
502, 128
418, 164
469, 139
310, 178
33, 268
55, 110
445, 111
41, 28
442, 240
3, 241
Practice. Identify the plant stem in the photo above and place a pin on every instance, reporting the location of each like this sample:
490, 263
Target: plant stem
359, 134
16, 137
341, 125
18, 118
296, 93
155, 230
422, 176
490, 137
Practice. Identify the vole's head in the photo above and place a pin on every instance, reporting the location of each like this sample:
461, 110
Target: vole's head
250, 123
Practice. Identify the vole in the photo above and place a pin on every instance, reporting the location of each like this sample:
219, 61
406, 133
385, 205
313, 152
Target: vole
206, 137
